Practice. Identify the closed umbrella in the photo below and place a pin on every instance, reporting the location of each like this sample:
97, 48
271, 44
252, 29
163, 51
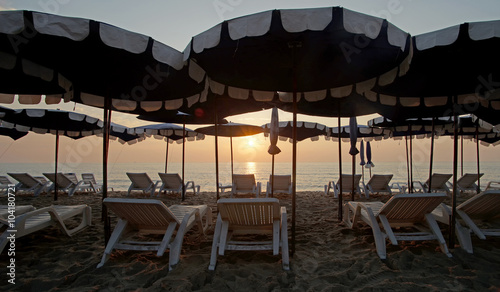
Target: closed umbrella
353, 136
369, 163
273, 148
362, 159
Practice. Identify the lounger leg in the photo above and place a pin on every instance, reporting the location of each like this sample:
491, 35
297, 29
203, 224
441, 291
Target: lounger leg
113, 240
435, 229
388, 229
471, 224
215, 243
378, 235
276, 237
285, 257
223, 237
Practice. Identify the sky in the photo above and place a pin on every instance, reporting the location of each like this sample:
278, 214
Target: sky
175, 22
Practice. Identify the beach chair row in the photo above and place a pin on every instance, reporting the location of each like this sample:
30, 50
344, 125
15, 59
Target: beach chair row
172, 183
381, 184
66, 182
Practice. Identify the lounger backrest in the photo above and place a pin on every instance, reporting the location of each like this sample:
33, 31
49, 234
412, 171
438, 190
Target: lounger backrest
249, 212
439, 180
468, 180
281, 182
62, 179
72, 176
89, 178
347, 181
4, 180
484, 205
140, 180
380, 181
171, 180
244, 181
141, 213
25, 178
411, 207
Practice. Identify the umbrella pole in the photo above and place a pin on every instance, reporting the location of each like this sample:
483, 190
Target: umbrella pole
432, 154
183, 158
462, 155
340, 168
56, 159
353, 173
217, 150
272, 177
478, 169
105, 146
408, 166
166, 157
451, 239
232, 165
411, 160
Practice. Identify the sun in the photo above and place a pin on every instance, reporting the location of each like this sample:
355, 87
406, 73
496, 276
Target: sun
251, 142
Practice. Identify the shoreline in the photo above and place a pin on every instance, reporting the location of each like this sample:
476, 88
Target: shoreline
328, 256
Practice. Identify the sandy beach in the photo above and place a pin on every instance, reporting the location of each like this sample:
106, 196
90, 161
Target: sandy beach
328, 257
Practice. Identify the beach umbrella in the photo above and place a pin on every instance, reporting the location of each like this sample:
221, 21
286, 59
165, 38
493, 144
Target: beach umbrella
451, 66
369, 163
169, 132
273, 148
362, 158
353, 131
228, 130
12, 133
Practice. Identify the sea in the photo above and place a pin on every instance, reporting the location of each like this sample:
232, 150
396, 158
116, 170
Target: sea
311, 176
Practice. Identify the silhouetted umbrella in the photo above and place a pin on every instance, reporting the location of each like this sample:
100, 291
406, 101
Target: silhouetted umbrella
13, 133
58, 122
362, 159
273, 148
228, 130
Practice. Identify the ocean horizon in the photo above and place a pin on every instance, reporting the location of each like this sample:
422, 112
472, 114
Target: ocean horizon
311, 176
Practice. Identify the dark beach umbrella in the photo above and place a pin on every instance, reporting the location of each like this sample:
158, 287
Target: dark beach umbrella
52, 121
13, 133
362, 158
228, 130
451, 66
169, 132
353, 151
369, 163
274, 131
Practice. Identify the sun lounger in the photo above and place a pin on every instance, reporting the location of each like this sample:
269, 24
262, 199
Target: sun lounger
493, 185
5, 183
439, 184
172, 182
378, 183
245, 184
474, 215
154, 217
67, 183
6, 212
39, 219
409, 211
282, 184
244, 216
467, 183
141, 182
346, 185
28, 183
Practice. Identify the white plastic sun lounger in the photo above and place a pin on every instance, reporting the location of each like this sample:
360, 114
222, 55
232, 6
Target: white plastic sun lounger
282, 184
141, 182
439, 184
28, 183
239, 216
150, 216
172, 182
6, 212
67, 183
412, 211
473, 216
378, 183
245, 184
54, 215
346, 185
